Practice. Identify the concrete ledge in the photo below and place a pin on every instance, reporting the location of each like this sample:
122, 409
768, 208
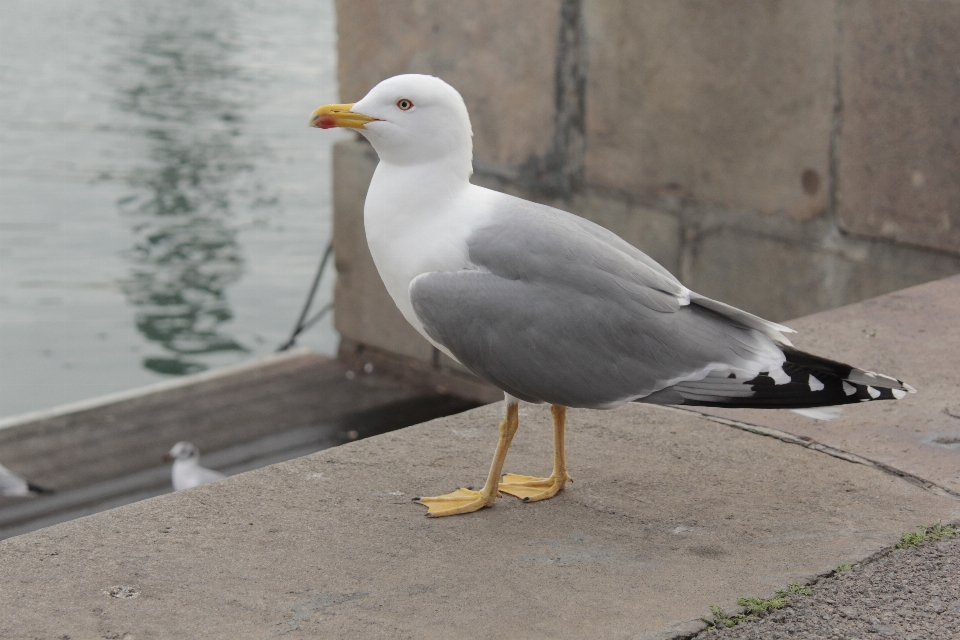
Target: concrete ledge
105, 452
669, 513
129, 432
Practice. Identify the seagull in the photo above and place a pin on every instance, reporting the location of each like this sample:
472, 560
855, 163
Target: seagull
549, 307
187, 472
14, 486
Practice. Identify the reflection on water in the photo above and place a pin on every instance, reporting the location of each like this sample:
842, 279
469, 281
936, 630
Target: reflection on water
178, 287
189, 98
179, 111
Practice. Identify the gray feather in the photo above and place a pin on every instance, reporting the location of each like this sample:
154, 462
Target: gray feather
770, 329
559, 310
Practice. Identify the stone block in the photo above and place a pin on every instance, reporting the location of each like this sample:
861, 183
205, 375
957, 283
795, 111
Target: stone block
888, 267
899, 169
771, 278
727, 103
779, 280
499, 54
365, 312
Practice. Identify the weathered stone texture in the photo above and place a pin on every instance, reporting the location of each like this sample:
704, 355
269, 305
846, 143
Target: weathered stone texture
500, 55
781, 280
775, 279
899, 170
670, 513
728, 103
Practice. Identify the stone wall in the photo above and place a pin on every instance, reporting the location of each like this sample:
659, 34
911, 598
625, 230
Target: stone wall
783, 157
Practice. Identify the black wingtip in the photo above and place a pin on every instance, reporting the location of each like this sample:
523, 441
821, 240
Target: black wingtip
35, 489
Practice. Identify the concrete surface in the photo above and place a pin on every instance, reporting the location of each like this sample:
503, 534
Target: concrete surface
782, 279
105, 452
669, 513
913, 334
695, 97
19, 515
899, 153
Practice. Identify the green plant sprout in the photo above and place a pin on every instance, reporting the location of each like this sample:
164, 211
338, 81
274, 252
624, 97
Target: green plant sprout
926, 532
755, 607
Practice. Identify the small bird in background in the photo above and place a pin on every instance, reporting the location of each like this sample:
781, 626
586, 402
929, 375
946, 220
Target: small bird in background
187, 472
14, 486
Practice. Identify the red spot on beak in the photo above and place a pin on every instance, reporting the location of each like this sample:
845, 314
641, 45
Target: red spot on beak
325, 122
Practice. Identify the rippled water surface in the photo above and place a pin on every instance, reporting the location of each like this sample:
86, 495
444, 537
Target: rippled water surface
163, 204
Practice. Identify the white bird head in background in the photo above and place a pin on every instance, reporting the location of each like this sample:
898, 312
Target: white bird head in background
410, 120
187, 472
183, 451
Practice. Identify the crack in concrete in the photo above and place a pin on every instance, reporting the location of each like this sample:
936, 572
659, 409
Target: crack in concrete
789, 438
836, 125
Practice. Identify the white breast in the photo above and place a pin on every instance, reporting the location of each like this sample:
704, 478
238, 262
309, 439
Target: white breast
417, 223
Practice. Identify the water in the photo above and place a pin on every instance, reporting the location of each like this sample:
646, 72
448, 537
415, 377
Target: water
163, 205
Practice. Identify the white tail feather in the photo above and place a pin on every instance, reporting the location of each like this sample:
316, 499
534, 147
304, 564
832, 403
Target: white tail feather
820, 413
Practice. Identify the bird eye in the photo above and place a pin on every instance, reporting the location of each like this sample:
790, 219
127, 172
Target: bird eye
404, 104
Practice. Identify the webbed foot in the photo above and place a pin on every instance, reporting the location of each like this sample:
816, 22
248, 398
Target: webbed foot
532, 489
455, 503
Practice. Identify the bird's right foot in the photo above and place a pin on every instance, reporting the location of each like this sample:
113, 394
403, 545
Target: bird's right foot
533, 489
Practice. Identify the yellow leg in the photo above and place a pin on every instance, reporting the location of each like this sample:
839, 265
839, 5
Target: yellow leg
468, 500
530, 488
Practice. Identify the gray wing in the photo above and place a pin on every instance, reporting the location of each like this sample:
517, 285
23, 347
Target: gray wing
557, 311
534, 242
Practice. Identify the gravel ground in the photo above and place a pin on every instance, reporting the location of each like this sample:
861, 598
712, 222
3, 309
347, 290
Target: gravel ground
911, 593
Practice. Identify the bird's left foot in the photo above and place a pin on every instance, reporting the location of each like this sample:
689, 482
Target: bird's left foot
456, 503
532, 489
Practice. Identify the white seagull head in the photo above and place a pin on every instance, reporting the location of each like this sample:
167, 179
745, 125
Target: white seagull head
183, 451
410, 120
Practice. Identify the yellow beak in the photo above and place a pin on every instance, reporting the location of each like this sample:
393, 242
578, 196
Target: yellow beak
338, 115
